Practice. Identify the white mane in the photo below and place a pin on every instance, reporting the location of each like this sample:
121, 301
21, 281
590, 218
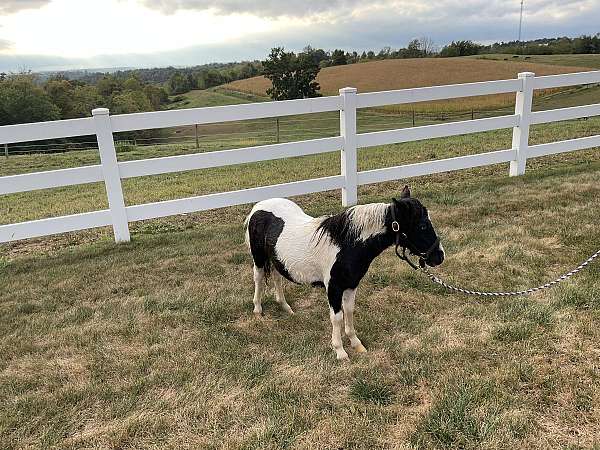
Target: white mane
368, 220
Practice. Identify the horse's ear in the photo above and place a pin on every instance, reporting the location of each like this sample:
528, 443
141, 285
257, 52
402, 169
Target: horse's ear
405, 192
400, 205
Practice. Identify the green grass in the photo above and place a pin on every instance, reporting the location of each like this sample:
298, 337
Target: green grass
213, 97
591, 61
292, 128
153, 344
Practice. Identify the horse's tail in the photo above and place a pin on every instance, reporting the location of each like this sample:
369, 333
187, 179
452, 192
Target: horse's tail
246, 231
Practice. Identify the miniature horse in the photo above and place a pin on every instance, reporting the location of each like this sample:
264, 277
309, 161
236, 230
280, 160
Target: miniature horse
334, 252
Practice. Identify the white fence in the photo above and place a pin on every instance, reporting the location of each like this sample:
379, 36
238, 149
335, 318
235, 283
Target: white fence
111, 172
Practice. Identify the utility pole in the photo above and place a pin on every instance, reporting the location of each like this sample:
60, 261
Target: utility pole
520, 22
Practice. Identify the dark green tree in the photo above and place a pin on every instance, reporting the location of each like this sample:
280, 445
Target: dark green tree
414, 49
292, 76
338, 58
317, 54
179, 83
85, 98
460, 48
109, 85
130, 102
22, 101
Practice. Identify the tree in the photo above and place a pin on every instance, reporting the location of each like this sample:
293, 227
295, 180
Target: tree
414, 49
179, 83
133, 83
291, 76
130, 102
22, 101
108, 85
156, 95
60, 92
427, 46
317, 54
460, 48
338, 58
384, 53
85, 98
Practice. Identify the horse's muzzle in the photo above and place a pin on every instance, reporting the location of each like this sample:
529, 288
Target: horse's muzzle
434, 258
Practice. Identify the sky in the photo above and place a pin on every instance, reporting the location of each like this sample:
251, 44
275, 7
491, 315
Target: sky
69, 34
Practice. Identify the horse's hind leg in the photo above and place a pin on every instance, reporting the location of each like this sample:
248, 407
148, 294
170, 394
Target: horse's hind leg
279, 294
334, 294
259, 289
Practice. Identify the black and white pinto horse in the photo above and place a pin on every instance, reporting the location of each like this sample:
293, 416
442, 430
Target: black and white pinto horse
334, 252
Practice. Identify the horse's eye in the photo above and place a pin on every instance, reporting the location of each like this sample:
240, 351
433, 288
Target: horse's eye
423, 227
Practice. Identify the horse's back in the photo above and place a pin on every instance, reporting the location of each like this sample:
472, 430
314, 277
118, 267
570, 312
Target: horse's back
283, 208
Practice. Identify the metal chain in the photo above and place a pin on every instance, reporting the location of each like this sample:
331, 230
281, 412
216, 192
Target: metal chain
441, 282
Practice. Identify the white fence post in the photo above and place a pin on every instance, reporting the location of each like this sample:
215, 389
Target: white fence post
348, 154
110, 170
520, 141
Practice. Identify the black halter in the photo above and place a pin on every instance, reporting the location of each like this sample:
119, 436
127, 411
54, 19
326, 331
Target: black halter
403, 241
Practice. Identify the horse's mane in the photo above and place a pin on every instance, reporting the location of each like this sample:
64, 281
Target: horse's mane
356, 223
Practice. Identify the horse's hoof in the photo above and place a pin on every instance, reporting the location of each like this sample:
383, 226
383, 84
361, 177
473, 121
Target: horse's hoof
360, 349
343, 357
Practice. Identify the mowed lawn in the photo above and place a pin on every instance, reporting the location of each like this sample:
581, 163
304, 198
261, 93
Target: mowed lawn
153, 344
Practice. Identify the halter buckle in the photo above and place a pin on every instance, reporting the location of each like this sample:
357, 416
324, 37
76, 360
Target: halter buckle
395, 226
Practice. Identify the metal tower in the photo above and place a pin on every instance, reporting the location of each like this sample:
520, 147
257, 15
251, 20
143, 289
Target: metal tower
520, 22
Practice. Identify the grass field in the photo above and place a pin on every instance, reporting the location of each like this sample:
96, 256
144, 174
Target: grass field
407, 73
327, 124
585, 61
153, 344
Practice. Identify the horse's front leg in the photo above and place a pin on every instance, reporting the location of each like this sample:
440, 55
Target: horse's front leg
348, 303
334, 294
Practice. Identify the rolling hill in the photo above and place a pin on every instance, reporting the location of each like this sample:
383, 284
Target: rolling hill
408, 73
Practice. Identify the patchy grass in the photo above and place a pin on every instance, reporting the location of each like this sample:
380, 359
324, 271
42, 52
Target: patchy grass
153, 344
373, 391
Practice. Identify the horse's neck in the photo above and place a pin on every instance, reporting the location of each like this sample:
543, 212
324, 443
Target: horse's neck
373, 222
375, 245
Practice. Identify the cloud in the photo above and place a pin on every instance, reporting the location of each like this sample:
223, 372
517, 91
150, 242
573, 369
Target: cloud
13, 6
337, 10
5, 44
262, 8
367, 26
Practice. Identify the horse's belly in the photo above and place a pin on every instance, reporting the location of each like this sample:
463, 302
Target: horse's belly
306, 259
306, 272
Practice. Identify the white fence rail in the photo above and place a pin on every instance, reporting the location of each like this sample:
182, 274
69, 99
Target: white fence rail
111, 172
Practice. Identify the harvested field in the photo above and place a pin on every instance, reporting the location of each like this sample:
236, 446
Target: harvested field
408, 73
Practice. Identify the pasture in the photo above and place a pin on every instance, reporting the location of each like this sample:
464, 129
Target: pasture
153, 344
584, 60
408, 73
264, 131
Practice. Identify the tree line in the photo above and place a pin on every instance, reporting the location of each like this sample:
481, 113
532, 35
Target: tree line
24, 98
548, 46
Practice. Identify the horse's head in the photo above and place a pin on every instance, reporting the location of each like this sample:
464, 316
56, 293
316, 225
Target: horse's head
415, 229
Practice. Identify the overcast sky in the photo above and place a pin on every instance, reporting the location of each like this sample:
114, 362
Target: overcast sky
63, 34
